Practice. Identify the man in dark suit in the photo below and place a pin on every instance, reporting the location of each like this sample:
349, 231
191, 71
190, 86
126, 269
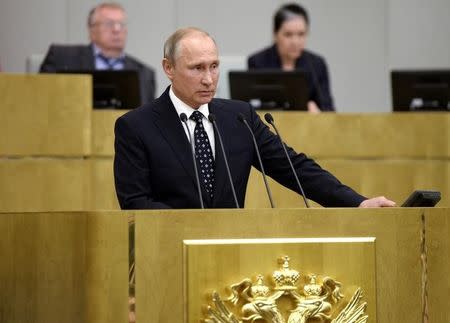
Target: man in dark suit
153, 165
107, 32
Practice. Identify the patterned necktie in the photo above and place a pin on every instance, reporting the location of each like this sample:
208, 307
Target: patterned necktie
110, 62
203, 153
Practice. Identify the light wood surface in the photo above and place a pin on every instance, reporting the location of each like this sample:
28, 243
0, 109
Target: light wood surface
54, 145
103, 132
43, 267
45, 115
73, 266
437, 237
387, 135
106, 253
63, 267
44, 184
159, 241
331, 135
395, 179
103, 194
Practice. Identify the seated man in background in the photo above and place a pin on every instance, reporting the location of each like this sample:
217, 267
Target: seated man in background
290, 28
108, 33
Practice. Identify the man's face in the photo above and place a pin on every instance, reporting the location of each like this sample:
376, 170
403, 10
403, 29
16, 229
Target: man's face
291, 37
108, 30
195, 72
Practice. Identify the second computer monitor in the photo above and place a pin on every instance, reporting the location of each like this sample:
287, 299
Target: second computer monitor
270, 89
420, 90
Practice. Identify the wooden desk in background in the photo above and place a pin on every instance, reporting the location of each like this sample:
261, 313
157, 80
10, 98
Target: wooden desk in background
56, 153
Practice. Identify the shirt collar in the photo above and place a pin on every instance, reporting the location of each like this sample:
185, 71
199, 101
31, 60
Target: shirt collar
182, 107
98, 51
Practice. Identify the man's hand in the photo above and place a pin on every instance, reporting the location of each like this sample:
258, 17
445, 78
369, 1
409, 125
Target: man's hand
379, 201
313, 108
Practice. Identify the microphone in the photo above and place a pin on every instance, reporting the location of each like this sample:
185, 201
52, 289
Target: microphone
242, 119
212, 119
270, 120
183, 118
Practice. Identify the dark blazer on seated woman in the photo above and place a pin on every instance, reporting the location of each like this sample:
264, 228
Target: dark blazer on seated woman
314, 66
81, 57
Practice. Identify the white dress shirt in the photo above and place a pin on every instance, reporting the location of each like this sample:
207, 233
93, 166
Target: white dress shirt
182, 107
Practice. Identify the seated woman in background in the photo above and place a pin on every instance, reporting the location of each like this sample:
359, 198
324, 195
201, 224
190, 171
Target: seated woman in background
290, 27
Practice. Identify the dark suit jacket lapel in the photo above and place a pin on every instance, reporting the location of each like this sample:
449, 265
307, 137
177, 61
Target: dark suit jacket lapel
171, 128
129, 64
221, 180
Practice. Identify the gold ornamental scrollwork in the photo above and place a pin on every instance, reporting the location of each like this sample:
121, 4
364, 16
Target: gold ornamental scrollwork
316, 301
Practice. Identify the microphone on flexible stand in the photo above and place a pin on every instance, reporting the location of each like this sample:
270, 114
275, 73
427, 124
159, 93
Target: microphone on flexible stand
242, 119
212, 119
270, 120
184, 118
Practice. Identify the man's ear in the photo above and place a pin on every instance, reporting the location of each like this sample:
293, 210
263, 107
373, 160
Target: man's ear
168, 68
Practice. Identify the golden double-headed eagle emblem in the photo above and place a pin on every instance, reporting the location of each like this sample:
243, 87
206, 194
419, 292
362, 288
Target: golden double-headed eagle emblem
314, 302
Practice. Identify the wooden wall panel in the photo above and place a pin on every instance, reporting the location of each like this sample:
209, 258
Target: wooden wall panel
45, 115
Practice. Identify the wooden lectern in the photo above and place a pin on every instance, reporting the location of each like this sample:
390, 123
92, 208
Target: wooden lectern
182, 257
73, 266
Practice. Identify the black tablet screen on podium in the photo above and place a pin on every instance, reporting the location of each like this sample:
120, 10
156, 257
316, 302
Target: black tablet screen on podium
270, 89
420, 90
113, 89
422, 198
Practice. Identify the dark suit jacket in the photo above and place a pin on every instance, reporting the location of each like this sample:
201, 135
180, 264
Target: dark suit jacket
153, 165
314, 66
81, 57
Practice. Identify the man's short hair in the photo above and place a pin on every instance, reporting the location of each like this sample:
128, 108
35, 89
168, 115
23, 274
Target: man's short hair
113, 5
171, 46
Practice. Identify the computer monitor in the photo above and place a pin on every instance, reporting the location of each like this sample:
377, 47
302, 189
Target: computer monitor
420, 90
270, 89
113, 89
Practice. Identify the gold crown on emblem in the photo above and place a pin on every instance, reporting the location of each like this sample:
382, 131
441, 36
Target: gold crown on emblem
312, 289
285, 278
259, 290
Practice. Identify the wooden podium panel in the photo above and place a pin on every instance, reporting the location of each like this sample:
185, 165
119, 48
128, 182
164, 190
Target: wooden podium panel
437, 251
45, 115
44, 184
106, 293
395, 179
102, 191
160, 296
336, 135
103, 131
42, 267
63, 267
390, 135
73, 266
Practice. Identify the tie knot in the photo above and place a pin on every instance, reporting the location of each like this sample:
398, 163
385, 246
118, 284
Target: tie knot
197, 116
110, 62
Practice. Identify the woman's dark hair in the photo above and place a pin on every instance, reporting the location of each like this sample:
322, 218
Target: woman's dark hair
286, 12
